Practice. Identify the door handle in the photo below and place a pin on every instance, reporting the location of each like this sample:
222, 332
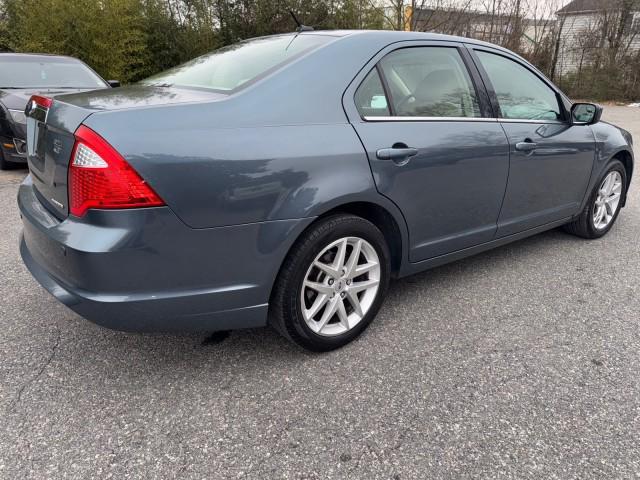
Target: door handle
527, 146
397, 154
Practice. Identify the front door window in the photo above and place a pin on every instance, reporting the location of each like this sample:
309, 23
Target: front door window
521, 94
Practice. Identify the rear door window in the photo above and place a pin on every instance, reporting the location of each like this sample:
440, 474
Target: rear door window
370, 96
429, 82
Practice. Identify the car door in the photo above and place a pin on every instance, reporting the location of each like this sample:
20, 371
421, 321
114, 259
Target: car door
433, 146
550, 159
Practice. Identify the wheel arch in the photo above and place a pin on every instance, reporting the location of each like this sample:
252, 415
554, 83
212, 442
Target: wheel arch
381, 218
626, 157
387, 218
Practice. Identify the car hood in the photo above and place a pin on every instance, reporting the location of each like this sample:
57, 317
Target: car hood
17, 99
136, 96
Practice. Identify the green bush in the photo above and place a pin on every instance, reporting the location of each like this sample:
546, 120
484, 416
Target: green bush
614, 82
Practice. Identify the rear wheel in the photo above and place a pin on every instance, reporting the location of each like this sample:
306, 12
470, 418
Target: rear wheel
332, 284
604, 204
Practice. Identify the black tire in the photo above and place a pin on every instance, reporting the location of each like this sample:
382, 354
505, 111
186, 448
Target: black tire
583, 226
4, 165
285, 309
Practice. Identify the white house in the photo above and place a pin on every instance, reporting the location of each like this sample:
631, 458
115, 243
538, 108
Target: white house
589, 25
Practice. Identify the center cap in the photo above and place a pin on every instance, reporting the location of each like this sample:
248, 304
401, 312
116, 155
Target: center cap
339, 285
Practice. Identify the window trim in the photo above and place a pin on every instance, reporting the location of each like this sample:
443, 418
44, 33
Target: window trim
484, 104
427, 119
494, 97
385, 89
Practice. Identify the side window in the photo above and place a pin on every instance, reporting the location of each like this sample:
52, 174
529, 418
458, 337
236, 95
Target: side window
430, 82
521, 94
370, 98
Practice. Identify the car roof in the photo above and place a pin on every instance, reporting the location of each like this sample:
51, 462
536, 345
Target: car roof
36, 56
399, 36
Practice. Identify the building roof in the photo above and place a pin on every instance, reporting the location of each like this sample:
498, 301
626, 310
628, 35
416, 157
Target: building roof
579, 6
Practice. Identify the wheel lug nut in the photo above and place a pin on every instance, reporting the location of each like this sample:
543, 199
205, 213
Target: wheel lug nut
331, 281
348, 282
342, 294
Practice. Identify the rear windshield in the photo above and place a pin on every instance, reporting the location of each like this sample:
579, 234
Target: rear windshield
231, 67
47, 74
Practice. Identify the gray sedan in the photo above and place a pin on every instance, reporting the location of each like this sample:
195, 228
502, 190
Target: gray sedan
285, 180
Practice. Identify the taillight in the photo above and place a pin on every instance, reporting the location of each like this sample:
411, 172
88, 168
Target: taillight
100, 178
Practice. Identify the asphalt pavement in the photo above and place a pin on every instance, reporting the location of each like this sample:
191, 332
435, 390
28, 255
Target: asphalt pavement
523, 362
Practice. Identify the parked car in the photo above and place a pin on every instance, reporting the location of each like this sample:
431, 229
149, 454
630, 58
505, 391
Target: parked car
23, 75
285, 180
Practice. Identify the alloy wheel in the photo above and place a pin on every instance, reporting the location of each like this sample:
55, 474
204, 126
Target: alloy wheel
340, 286
607, 200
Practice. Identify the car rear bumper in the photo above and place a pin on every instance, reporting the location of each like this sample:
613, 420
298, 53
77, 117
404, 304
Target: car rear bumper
144, 270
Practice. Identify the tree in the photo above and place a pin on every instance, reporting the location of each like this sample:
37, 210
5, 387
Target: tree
108, 35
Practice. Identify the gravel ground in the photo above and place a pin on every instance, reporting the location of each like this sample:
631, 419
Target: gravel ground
518, 363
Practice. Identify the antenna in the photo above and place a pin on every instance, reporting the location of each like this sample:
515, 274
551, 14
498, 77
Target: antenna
301, 27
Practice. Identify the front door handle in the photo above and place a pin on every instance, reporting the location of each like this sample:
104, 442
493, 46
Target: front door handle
527, 146
397, 154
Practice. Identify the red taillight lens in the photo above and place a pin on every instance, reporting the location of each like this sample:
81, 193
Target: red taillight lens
100, 178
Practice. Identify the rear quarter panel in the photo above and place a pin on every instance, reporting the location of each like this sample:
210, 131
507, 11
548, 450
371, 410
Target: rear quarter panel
214, 177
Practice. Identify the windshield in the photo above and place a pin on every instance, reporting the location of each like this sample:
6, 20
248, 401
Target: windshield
47, 74
231, 67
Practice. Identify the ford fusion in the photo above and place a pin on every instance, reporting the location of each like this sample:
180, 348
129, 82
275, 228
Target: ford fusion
21, 76
285, 180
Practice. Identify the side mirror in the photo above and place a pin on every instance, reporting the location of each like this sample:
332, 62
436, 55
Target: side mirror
585, 113
114, 83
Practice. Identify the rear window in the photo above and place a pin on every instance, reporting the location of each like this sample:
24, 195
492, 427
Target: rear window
25, 73
231, 67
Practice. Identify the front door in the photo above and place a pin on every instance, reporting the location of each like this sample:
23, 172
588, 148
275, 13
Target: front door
432, 150
551, 160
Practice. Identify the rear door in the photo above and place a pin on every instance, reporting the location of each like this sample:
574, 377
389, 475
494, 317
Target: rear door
551, 160
433, 144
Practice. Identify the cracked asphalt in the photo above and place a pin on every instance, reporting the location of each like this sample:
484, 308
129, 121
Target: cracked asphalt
522, 362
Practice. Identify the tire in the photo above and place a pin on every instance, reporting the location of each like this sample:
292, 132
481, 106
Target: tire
4, 165
585, 224
293, 301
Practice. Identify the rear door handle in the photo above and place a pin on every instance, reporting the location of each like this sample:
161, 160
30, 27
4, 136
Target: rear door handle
397, 154
526, 146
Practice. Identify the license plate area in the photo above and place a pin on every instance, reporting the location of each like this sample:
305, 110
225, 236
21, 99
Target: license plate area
36, 126
32, 127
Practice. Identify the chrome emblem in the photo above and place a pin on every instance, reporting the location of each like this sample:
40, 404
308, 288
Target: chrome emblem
57, 146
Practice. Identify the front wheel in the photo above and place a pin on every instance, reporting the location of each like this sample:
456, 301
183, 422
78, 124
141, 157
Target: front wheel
332, 283
4, 165
604, 204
